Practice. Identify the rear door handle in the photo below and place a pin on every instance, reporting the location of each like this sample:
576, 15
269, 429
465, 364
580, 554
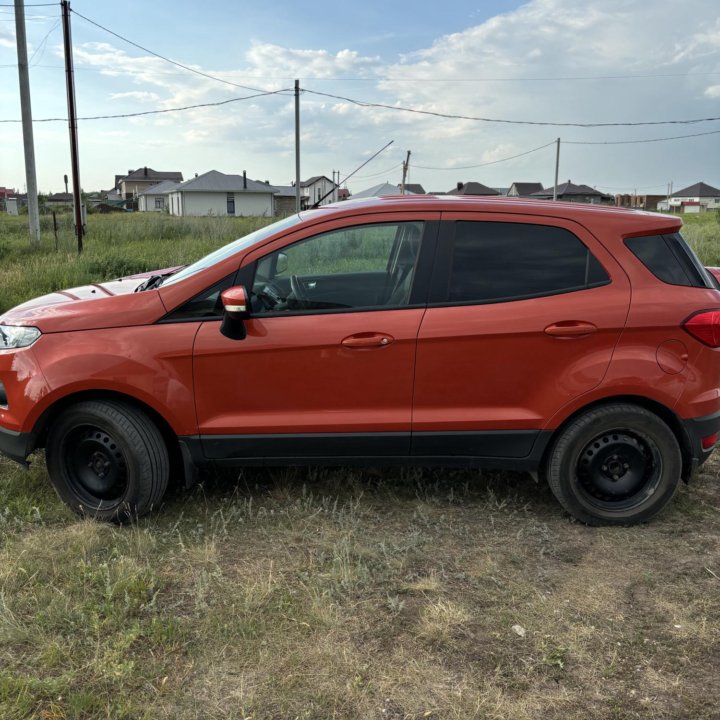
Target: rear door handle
570, 328
367, 340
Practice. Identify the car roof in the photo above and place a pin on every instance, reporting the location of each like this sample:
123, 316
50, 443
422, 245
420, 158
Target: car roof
628, 222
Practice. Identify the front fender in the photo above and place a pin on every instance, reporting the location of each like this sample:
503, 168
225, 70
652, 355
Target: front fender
151, 363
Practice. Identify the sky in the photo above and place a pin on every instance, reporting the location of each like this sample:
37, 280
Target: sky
543, 61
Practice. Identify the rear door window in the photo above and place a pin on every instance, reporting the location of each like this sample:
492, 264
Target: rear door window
499, 262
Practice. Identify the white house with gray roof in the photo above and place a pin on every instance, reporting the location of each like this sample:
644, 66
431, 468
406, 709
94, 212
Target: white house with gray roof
215, 193
155, 198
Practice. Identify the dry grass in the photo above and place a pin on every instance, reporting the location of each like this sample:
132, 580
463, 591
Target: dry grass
335, 594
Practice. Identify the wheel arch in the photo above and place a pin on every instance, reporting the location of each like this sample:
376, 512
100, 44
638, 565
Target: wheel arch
653, 406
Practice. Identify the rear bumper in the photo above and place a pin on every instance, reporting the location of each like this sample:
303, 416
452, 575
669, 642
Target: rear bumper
16, 445
698, 428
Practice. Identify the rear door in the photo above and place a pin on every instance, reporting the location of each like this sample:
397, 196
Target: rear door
523, 317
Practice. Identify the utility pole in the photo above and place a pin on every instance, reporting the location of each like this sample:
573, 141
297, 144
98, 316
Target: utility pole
26, 110
557, 169
406, 164
297, 146
72, 123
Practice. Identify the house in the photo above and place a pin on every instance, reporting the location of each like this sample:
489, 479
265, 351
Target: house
382, 190
61, 199
5, 193
569, 192
415, 188
472, 188
316, 188
524, 189
215, 193
285, 200
696, 198
155, 198
639, 202
343, 194
136, 181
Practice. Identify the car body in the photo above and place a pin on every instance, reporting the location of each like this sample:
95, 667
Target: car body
502, 333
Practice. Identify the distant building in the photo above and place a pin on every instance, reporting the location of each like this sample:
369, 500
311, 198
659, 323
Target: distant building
215, 193
472, 188
285, 199
62, 199
136, 181
385, 189
524, 189
639, 202
415, 188
155, 198
696, 198
569, 192
316, 188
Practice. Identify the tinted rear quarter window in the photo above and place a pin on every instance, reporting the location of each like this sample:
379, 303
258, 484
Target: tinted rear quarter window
671, 260
496, 262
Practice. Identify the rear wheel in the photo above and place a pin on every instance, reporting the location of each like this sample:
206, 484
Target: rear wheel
107, 460
615, 465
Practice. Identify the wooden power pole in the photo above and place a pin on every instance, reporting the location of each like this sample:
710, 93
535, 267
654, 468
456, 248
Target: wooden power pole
72, 123
406, 164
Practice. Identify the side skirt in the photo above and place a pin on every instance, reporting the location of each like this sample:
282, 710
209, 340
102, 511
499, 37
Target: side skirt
520, 450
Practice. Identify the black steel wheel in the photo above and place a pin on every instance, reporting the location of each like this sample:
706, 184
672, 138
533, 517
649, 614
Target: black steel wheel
616, 464
107, 460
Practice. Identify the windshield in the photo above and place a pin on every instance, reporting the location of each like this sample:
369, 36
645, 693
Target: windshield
230, 249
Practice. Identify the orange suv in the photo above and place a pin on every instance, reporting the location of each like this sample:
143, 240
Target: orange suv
576, 342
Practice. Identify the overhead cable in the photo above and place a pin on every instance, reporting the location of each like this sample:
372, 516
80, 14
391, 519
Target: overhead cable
451, 116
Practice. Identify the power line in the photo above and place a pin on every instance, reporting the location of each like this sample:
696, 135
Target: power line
157, 112
166, 59
400, 108
381, 172
492, 162
633, 142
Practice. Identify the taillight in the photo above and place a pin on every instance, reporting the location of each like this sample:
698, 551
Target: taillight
705, 326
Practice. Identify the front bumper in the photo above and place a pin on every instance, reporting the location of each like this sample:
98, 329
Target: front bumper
16, 445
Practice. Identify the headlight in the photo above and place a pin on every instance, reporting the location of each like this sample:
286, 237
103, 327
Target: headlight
13, 336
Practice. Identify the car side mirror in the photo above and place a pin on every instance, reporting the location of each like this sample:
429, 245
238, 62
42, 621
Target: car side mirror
281, 264
236, 303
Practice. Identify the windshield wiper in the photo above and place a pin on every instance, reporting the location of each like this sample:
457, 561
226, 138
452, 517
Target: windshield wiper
154, 281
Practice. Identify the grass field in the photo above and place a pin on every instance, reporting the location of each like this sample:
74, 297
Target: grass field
340, 593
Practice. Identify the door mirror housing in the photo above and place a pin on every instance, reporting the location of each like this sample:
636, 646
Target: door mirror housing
236, 302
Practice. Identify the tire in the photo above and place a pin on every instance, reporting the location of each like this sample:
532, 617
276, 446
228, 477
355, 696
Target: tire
615, 465
107, 460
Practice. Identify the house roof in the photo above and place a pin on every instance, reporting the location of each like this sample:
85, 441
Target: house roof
527, 188
60, 197
699, 189
472, 188
284, 190
161, 188
568, 189
215, 181
382, 190
415, 188
146, 173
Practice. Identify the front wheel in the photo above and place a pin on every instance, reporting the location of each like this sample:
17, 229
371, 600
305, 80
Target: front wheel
107, 460
617, 464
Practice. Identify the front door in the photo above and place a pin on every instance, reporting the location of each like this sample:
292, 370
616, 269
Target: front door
326, 367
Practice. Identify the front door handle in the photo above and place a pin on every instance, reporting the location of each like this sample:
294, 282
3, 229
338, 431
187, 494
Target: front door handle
367, 340
570, 328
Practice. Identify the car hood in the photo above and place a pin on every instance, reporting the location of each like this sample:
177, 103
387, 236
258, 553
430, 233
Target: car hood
99, 305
